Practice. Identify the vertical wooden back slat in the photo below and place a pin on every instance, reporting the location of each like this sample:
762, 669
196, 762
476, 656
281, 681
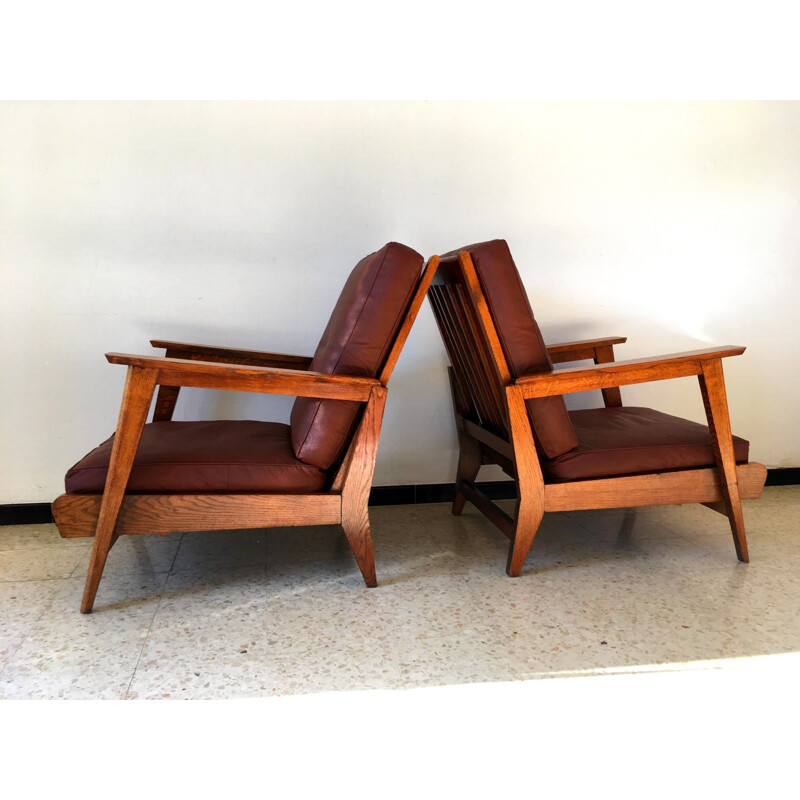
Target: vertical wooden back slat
473, 372
484, 357
465, 349
457, 350
463, 331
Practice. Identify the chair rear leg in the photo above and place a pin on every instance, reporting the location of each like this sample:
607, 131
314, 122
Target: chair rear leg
712, 385
139, 387
469, 464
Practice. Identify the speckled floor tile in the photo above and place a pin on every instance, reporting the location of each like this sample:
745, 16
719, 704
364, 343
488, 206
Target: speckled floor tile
285, 611
623, 526
27, 537
118, 593
323, 669
76, 657
213, 590
22, 603
221, 548
45, 563
217, 655
136, 555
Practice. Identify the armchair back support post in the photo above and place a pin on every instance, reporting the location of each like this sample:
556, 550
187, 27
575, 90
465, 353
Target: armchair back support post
344, 481
496, 423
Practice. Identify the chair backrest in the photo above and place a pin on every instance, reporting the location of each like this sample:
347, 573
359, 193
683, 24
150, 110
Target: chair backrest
491, 349
363, 337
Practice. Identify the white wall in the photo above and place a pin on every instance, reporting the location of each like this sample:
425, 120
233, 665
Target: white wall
675, 224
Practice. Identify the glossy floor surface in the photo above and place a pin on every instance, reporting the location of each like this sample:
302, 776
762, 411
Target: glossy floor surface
284, 611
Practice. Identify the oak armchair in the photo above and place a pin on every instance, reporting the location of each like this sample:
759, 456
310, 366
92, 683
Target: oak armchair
166, 476
510, 411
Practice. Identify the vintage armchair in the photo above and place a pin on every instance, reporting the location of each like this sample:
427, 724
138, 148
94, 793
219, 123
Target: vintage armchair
167, 476
510, 411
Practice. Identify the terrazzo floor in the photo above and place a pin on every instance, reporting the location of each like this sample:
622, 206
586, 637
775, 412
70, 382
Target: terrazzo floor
285, 612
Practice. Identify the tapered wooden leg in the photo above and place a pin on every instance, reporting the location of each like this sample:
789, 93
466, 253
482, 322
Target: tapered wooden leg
712, 385
530, 483
529, 517
469, 451
354, 480
469, 464
356, 529
139, 387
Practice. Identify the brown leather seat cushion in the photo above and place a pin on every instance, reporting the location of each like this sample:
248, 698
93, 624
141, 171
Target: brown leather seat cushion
522, 341
217, 456
631, 440
356, 341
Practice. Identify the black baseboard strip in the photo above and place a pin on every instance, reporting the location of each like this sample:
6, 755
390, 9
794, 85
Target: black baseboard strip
434, 493
36, 513
25, 514
788, 476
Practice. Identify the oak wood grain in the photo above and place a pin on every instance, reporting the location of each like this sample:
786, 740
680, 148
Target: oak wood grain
470, 456
356, 480
479, 369
582, 345
621, 373
712, 386
76, 514
137, 396
230, 355
530, 483
166, 400
268, 380
115, 513
655, 489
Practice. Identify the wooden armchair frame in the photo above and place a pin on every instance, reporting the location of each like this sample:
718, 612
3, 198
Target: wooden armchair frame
114, 513
501, 432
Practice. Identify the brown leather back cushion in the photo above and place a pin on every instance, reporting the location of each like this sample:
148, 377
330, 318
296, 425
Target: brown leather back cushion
632, 440
360, 332
522, 341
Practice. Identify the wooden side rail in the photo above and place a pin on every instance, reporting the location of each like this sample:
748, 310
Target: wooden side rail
176, 372
622, 373
229, 355
77, 514
666, 488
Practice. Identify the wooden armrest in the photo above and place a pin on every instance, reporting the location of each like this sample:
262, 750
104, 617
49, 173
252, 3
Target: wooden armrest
229, 355
620, 373
585, 344
267, 380
598, 350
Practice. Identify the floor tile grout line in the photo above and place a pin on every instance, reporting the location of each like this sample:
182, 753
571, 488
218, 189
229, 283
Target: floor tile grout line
14, 654
47, 607
153, 618
146, 637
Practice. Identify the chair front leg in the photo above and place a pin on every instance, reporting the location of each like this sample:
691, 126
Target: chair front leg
139, 387
355, 480
530, 483
712, 385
